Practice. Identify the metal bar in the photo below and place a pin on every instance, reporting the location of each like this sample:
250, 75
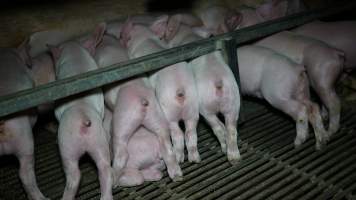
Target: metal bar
62, 88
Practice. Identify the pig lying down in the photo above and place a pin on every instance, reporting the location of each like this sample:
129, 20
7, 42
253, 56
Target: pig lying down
80, 117
145, 162
323, 63
16, 129
281, 82
216, 87
218, 19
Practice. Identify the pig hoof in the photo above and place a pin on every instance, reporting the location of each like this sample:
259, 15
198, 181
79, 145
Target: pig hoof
223, 149
176, 175
234, 160
106, 198
298, 142
178, 179
320, 145
194, 158
180, 158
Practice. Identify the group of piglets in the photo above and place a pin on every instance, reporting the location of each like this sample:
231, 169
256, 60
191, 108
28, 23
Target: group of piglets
131, 128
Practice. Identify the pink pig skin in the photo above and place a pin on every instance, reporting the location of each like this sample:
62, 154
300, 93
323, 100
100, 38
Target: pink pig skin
323, 63
281, 82
16, 129
144, 163
339, 34
218, 19
216, 87
174, 85
81, 117
134, 104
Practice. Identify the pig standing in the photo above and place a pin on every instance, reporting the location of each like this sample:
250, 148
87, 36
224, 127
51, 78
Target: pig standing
216, 85
266, 74
323, 63
133, 104
16, 129
144, 162
80, 117
340, 34
174, 86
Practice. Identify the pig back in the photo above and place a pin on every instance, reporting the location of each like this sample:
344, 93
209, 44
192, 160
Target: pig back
39, 40
13, 72
289, 44
73, 61
110, 52
339, 34
262, 68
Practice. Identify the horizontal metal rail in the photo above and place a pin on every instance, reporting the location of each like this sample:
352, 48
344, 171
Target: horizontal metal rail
73, 85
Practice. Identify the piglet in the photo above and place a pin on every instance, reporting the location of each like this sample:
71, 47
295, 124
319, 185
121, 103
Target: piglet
134, 104
218, 19
81, 117
145, 162
16, 129
217, 88
323, 63
284, 84
174, 86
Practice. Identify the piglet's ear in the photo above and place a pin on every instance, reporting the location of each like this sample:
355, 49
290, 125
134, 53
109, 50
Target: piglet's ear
95, 39
272, 10
160, 25
24, 51
56, 52
125, 34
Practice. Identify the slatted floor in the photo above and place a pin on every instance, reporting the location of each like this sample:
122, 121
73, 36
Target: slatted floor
271, 167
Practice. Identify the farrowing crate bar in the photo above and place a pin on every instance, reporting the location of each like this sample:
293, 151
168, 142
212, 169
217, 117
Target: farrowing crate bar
73, 85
